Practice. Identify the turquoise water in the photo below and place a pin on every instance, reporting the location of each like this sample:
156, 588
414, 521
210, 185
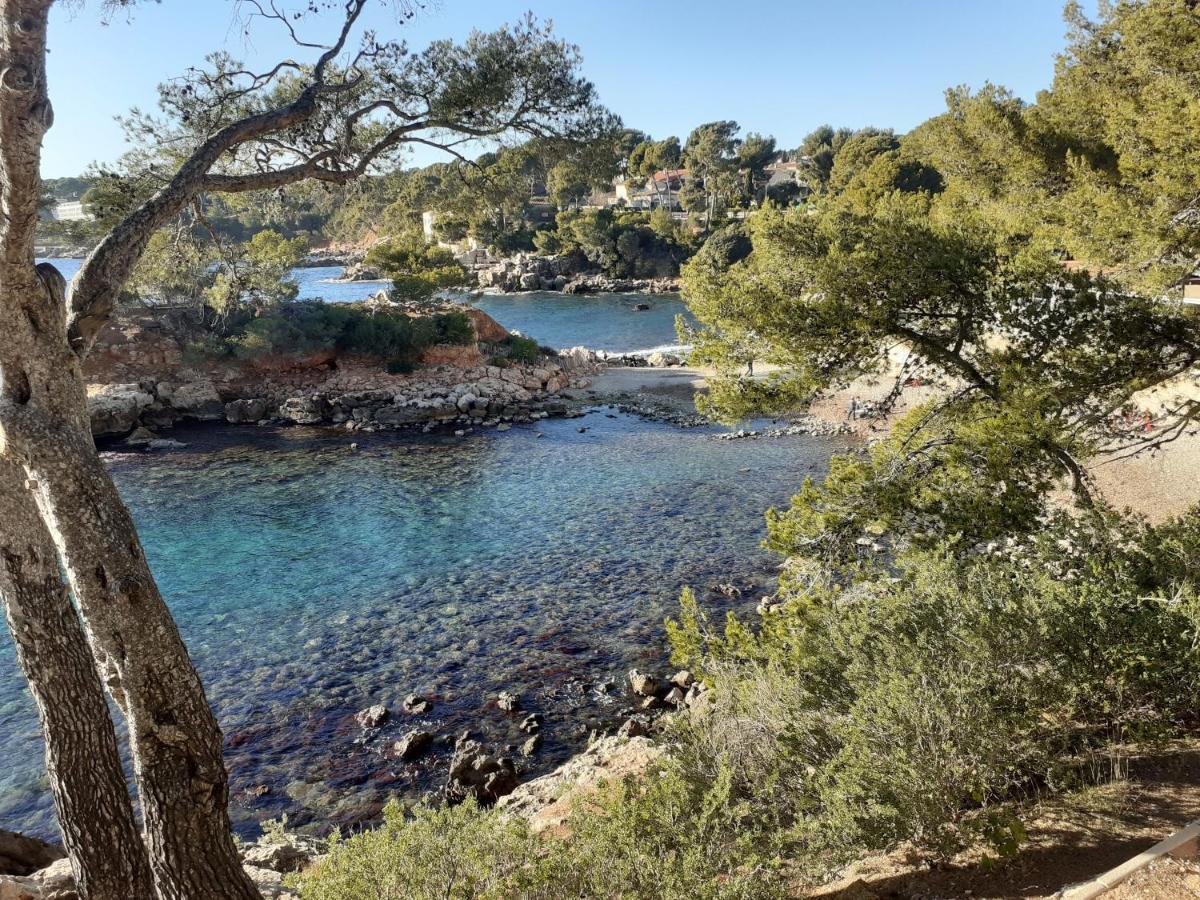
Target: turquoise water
310, 581
601, 322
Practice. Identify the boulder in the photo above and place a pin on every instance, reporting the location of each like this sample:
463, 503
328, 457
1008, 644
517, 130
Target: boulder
54, 882
475, 772
487, 330
412, 745
305, 410
115, 408
361, 272
198, 400
661, 360
532, 745
240, 412
141, 437
281, 852
683, 679
508, 701
416, 705
643, 684
21, 855
372, 716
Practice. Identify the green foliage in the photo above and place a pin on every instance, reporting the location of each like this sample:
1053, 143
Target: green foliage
659, 838
649, 157
1029, 352
622, 244
907, 705
257, 273
346, 328
453, 852
175, 268
418, 270
522, 349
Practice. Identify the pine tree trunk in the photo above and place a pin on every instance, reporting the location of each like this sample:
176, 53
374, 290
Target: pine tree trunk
94, 810
44, 430
176, 743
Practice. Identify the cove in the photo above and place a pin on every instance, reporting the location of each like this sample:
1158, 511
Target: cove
310, 580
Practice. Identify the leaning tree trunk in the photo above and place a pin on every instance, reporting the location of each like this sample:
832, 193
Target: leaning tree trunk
174, 737
44, 429
94, 810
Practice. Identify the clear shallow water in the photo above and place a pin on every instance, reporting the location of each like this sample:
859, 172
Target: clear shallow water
601, 322
310, 581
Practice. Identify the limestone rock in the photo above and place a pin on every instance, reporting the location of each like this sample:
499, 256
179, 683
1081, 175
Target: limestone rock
412, 745
644, 685
21, 855
115, 408
660, 360
474, 771
546, 801
305, 410
683, 679
198, 400
141, 437
487, 330
284, 852
241, 412
360, 272
372, 716
532, 745
416, 705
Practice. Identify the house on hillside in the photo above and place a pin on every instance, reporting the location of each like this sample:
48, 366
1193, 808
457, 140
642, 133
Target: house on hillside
785, 182
659, 190
68, 211
1191, 289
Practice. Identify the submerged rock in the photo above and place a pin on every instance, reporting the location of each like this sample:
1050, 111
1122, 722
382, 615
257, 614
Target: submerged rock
372, 716
412, 745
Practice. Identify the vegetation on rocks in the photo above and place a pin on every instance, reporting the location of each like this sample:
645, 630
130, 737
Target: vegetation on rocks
301, 329
664, 836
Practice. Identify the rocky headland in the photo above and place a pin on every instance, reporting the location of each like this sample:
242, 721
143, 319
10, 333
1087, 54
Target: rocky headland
569, 273
141, 379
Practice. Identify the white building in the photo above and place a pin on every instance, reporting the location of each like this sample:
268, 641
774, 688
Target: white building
68, 211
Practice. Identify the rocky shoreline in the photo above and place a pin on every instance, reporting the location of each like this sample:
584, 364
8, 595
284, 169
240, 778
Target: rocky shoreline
32, 869
568, 274
362, 401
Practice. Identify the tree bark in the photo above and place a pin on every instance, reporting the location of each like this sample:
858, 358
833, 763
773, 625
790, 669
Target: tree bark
45, 431
90, 794
175, 740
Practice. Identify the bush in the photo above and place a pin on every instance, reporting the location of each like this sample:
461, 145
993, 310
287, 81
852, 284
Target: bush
522, 349
912, 705
307, 328
662, 837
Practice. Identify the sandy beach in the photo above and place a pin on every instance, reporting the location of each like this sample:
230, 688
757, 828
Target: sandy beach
1157, 484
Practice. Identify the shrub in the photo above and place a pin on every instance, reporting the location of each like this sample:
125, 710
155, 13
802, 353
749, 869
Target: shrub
306, 328
522, 349
662, 837
908, 706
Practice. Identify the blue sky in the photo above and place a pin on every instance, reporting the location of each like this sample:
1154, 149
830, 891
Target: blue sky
780, 67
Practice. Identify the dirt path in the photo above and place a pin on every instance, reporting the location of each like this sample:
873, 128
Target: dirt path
1071, 839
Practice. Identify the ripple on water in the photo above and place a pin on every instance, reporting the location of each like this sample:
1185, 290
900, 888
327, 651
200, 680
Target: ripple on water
310, 581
